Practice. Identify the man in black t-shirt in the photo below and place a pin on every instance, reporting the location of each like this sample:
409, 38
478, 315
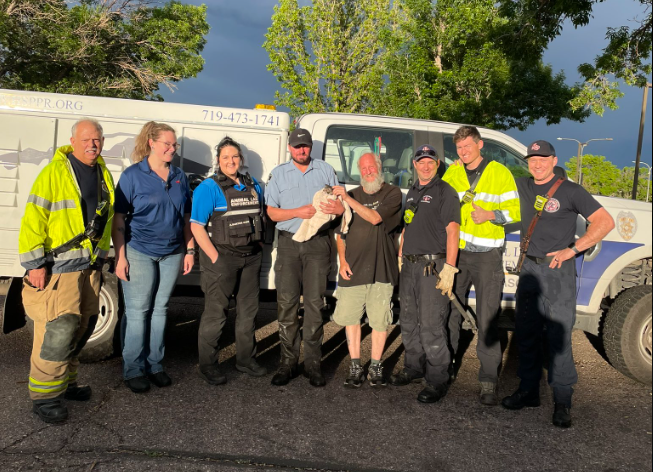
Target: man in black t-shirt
430, 239
368, 266
546, 293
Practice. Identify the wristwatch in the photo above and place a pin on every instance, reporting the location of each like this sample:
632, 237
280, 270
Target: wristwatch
190, 251
574, 248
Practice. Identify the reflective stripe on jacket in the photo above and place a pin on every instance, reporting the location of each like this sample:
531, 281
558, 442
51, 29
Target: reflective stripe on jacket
53, 216
496, 191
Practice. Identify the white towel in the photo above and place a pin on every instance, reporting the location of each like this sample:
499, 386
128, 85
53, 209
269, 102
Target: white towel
309, 228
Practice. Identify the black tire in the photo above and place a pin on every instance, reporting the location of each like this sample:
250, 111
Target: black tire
627, 333
104, 340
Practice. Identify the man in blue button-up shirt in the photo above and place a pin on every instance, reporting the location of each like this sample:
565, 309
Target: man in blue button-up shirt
306, 265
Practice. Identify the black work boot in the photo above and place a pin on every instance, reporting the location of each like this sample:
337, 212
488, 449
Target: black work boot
521, 399
51, 411
253, 368
139, 384
433, 394
404, 378
314, 374
284, 375
562, 416
78, 394
160, 379
212, 375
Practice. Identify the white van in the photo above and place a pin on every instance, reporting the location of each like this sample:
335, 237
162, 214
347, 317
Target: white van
614, 294
34, 124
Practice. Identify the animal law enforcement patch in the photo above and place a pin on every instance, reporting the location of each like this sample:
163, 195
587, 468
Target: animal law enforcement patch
626, 225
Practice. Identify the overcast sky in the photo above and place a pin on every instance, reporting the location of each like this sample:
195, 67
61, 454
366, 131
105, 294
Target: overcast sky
235, 75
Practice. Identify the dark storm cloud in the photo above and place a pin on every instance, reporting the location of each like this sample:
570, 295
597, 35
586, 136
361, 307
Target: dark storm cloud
235, 75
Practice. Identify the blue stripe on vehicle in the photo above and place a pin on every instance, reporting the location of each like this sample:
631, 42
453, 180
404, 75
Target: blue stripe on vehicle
590, 271
593, 270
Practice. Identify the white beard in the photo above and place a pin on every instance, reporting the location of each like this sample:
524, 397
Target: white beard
373, 186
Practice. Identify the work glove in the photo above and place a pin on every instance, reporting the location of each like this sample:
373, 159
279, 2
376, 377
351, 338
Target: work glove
445, 285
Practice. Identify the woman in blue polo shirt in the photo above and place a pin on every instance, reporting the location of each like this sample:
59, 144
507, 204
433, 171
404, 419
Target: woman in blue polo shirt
230, 206
153, 243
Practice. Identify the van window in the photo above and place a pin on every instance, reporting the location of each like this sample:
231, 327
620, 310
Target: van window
344, 145
492, 151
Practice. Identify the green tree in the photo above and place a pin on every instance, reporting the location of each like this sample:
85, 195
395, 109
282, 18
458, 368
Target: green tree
625, 184
328, 55
466, 61
600, 176
124, 48
449, 60
626, 56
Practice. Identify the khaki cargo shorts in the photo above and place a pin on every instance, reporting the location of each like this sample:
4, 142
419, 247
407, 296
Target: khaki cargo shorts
353, 302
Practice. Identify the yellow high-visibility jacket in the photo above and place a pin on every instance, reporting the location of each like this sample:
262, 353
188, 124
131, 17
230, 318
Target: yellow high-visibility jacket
496, 190
53, 216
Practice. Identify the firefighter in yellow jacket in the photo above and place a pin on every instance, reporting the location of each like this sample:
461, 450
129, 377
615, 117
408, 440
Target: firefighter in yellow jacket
489, 200
64, 238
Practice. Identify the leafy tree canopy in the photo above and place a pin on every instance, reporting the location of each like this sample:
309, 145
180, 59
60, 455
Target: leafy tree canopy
602, 177
117, 48
626, 56
449, 60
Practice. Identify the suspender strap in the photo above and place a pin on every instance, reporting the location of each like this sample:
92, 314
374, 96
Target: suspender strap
526, 241
471, 192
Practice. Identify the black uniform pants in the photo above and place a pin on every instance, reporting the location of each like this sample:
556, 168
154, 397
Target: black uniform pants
547, 297
301, 268
230, 274
423, 317
485, 271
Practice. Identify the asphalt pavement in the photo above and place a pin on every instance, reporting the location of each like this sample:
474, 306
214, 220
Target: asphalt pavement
249, 425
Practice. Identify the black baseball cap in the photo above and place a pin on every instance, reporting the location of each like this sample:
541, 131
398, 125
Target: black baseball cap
426, 151
300, 137
541, 148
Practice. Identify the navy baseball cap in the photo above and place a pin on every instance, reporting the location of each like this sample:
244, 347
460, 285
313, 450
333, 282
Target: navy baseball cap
541, 148
426, 150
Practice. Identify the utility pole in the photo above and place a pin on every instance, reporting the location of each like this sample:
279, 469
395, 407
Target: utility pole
639, 142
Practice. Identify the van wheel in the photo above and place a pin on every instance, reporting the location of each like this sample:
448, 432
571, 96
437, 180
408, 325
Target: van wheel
627, 333
106, 336
105, 339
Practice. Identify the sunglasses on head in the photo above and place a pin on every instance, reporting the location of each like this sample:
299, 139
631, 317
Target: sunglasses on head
425, 152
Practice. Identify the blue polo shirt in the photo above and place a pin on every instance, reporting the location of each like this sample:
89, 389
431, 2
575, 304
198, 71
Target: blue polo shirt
209, 197
290, 188
154, 208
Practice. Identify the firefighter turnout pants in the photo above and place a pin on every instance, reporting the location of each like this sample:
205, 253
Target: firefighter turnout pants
64, 316
485, 271
423, 316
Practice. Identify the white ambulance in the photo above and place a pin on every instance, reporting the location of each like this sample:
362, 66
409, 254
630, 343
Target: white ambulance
614, 278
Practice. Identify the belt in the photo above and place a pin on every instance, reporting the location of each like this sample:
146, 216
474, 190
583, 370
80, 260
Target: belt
290, 235
541, 260
424, 257
227, 252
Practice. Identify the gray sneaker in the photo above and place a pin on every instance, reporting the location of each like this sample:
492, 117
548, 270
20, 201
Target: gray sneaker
375, 376
356, 376
489, 395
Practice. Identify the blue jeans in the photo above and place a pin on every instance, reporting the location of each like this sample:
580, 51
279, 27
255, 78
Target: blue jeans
146, 295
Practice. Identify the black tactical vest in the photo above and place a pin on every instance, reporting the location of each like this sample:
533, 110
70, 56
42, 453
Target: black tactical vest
242, 223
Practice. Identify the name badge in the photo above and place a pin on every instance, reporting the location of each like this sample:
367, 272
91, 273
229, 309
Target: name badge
540, 202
